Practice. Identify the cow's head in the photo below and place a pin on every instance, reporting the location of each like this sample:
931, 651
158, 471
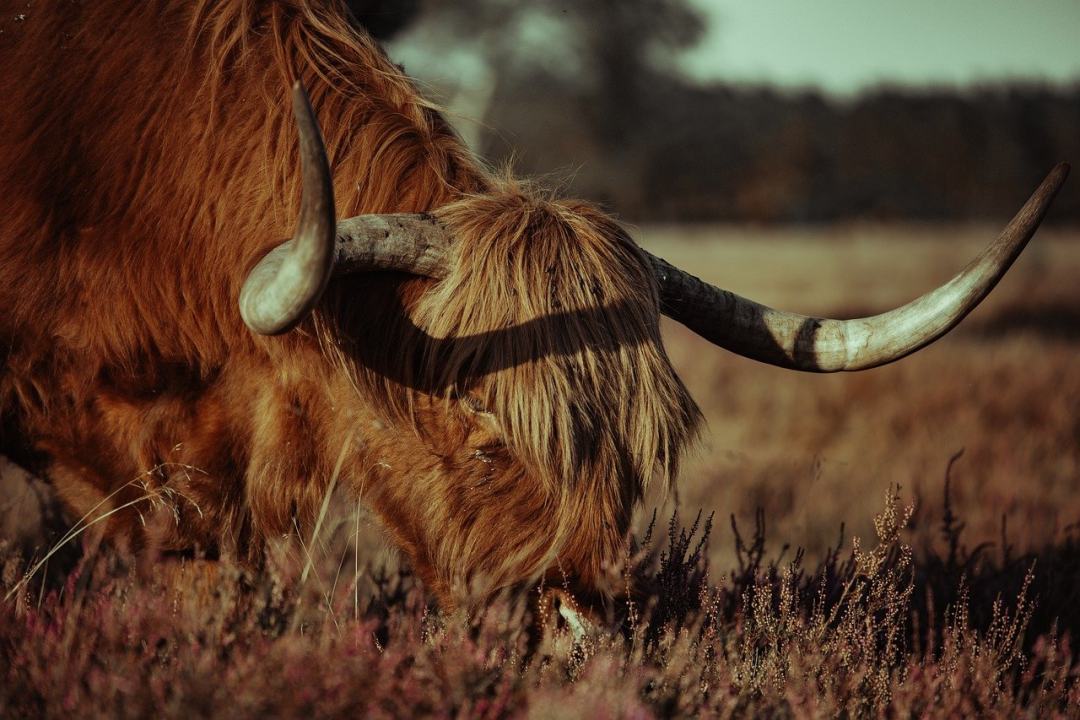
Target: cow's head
529, 396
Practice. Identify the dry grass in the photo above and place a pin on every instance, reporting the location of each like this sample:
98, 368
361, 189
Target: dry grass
920, 618
817, 451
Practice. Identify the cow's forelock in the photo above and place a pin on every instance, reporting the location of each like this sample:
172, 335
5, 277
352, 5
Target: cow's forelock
535, 373
555, 333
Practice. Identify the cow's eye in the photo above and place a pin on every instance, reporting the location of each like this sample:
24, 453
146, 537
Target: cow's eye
473, 404
486, 431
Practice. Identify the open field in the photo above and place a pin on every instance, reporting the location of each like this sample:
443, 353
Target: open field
906, 623
817, 450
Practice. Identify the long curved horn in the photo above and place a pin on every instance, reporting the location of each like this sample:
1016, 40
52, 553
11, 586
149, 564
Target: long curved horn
281, 290
824, 345
418, 244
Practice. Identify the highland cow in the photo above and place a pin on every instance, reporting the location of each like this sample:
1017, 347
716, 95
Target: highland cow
477, 361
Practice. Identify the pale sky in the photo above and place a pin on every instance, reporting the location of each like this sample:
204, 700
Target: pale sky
848, 45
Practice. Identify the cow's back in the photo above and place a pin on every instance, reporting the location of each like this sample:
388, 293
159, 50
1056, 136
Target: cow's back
111, 177
121, 247
148, 159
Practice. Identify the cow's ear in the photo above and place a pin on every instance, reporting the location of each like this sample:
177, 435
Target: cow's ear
383, 18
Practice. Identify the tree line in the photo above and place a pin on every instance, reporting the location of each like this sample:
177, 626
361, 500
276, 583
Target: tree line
756, 154
598, 105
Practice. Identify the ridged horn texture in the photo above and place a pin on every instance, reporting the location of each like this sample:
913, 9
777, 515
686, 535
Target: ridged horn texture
284, 286
824, 345
412, 243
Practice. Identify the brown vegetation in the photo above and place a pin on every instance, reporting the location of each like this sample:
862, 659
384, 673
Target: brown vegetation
818, 451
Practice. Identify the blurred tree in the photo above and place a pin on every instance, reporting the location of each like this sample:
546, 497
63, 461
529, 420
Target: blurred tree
630, 46
384, 18
613, 50
590, 90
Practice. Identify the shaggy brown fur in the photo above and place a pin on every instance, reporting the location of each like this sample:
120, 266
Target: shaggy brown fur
501, 422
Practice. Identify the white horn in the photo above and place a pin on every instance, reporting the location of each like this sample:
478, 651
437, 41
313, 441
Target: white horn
825, 345
285, 285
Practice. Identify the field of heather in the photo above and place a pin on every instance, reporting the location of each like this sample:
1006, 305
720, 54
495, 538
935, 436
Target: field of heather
900, 542
815, 451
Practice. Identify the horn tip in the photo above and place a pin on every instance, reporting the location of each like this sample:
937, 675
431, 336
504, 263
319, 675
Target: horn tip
1060, 172
1053, 182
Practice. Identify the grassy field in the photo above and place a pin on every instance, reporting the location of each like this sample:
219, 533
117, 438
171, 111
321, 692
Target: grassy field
952, 602
815, 451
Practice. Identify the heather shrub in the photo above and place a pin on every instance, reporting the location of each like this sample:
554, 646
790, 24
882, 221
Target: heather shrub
878, 628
